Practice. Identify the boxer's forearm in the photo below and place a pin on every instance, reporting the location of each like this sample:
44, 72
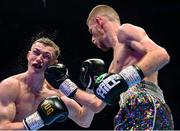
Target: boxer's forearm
85, 118
12, 126
153, 61
89, 100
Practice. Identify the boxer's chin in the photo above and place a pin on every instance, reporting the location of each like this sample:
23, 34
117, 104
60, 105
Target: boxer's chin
104, 49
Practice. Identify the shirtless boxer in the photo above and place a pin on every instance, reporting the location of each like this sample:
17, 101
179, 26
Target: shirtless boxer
27, 101
132, 78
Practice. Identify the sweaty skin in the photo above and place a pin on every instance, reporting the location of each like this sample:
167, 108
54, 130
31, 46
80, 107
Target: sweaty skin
132, 46
22, 93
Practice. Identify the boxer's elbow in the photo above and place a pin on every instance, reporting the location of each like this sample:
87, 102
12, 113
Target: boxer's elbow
165, 56
85, 120
84, 124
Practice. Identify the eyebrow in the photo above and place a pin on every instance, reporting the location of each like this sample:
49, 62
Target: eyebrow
42, 51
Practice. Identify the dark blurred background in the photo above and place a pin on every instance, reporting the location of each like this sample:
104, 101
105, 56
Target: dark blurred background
65, 22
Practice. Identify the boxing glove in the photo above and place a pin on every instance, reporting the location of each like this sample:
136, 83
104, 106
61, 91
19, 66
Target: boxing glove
57, 76
48, 111
90, 70
108, 87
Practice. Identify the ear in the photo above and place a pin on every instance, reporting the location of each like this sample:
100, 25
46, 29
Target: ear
28, 54
99, 21
54, 62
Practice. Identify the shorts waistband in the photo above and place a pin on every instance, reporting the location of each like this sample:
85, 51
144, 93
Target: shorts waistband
153, 89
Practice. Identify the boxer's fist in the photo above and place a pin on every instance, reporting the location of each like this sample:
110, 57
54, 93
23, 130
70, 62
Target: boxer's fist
90, 70
48, 111
108, 87
57, 76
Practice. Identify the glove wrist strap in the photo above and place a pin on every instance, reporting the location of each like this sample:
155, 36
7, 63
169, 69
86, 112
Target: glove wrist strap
33, 122
68, 88
131, 75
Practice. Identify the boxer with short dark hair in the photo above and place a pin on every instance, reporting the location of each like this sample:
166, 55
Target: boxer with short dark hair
132, 78
28, 101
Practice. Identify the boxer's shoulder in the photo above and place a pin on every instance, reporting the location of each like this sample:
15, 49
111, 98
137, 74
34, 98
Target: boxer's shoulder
10, 81
10, 86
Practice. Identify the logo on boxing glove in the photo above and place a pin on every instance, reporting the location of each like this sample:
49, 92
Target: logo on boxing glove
47, 107
107, 84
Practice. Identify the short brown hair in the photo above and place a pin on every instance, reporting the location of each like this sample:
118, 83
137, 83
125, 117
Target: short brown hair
104, 10
48, 42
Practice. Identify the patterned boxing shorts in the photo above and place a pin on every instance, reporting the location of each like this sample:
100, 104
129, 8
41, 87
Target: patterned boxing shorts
142, 107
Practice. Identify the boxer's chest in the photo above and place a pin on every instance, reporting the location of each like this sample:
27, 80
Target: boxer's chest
27, 103
122, 59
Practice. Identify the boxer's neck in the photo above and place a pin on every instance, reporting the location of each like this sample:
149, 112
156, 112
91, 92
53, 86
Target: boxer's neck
34, 81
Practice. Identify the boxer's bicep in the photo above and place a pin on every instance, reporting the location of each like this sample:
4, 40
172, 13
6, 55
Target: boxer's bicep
154, 58
7, 107
8, 94
7, 111
134, 37
138, 47
138, 40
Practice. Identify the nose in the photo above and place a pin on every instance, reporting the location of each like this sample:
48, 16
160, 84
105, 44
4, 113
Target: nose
40, 58
93, 40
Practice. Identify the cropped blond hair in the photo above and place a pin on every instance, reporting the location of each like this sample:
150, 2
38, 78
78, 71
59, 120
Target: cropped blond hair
104, 10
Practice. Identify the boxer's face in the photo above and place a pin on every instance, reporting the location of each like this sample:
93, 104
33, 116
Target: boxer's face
40, 57
98, 35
